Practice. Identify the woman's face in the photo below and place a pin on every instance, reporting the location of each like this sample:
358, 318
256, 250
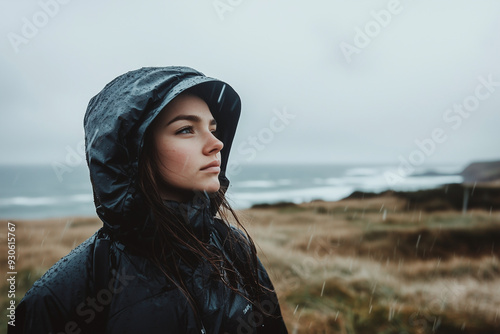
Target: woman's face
188, 151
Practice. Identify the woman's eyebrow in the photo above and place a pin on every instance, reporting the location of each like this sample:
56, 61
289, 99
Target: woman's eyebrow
192, 118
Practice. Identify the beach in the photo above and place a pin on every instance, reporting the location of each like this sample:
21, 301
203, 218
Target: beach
365, 264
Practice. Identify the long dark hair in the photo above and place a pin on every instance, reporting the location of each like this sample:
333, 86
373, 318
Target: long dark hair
174, 237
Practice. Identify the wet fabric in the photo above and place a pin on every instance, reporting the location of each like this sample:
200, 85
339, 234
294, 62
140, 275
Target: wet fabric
106, 284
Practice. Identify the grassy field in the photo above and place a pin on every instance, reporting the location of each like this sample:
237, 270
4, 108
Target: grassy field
353, 266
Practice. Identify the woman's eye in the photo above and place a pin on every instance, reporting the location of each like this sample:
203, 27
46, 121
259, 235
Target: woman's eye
187, 129
215, 132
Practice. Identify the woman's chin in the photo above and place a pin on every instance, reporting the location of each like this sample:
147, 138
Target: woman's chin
212, 187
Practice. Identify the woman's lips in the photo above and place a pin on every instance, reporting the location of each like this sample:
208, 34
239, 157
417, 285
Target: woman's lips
213, 167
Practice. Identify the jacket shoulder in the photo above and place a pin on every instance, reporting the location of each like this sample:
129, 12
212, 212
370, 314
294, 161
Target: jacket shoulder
50, 301
69, 272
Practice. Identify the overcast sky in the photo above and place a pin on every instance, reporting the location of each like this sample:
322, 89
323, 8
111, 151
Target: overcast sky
352, 81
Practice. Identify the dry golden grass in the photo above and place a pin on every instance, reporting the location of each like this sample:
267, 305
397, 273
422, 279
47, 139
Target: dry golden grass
40, 244
370, 266
353, 266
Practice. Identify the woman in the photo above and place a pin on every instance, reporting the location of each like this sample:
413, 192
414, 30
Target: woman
166, 260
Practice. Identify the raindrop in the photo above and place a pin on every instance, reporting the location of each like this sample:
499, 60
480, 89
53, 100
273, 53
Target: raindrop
68, 223
391, 313
310, 239
465, 201
437, 322
221, 93
323, 288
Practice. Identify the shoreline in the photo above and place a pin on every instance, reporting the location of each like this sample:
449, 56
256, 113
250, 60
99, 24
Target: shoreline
480, 195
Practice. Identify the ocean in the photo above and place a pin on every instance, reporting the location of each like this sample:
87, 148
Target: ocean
36, 192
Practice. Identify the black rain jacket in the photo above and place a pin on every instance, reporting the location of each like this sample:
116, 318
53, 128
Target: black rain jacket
106, 285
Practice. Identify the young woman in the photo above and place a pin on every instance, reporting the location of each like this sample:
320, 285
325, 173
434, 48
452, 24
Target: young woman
166, 260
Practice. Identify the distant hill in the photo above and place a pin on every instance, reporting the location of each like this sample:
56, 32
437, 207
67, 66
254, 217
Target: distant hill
446, 197
480, 190
481, 172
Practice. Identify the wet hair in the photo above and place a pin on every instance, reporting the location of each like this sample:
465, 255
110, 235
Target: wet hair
174, 238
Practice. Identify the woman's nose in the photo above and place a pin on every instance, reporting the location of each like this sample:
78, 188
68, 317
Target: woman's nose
213, 145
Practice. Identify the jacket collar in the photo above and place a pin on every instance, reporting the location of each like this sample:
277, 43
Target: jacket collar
196, 214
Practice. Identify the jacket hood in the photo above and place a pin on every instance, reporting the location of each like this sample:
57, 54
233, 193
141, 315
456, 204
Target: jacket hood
115, 124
